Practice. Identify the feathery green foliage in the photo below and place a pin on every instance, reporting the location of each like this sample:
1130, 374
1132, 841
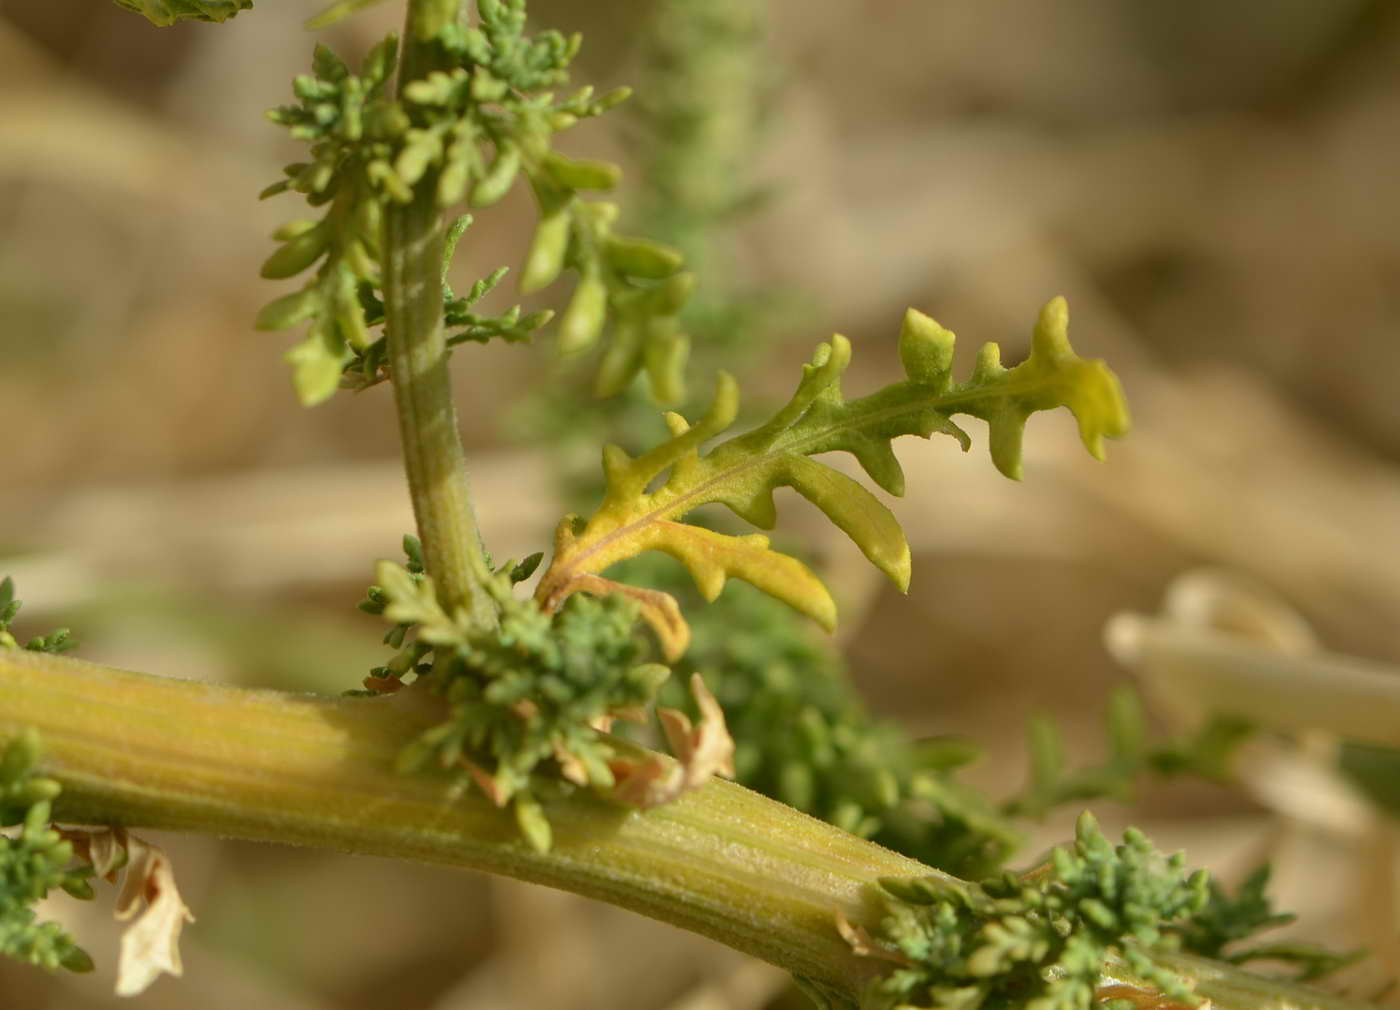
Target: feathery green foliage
1225, 921
1132, 754
525, 699
744, 471
164, 13
1038, 940
353, 127
467, 132
58, 640
33, 862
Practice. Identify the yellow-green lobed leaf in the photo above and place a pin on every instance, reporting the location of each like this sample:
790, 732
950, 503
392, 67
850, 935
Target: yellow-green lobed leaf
743, 472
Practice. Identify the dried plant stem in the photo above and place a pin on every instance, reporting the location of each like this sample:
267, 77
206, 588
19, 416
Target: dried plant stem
414, 238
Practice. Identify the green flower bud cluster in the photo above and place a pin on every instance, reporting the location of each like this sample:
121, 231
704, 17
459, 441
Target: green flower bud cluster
1039, 940
34, 861
58, 640
468, 131
493, 96
353, 128
164, 13
636, 282
526, 699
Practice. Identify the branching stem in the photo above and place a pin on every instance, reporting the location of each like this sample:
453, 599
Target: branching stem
414, 237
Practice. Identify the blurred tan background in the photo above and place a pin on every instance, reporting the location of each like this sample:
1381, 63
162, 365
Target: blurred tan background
1214, 187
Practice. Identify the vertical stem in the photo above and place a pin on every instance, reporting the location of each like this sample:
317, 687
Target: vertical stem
414, 236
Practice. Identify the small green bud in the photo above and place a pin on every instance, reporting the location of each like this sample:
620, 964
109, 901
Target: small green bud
650, 676
546, 256
526, 568
665, 364
79, 887
424, 148
382, 174
486, 88
614, 97
497, 182
296, 255
619, 361
326, 65
535, 320
39, 790
317, 363
75, 959
379, 64
288, 310
583, 319
20, 756
639, 257
295, 229
349, 315
579, 174
452, 183
534, 826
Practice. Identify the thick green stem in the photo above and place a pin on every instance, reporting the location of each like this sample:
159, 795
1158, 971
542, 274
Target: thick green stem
152, 752
414, 236
722, 861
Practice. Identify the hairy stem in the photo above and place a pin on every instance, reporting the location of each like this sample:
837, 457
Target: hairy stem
414, 237
145, 751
